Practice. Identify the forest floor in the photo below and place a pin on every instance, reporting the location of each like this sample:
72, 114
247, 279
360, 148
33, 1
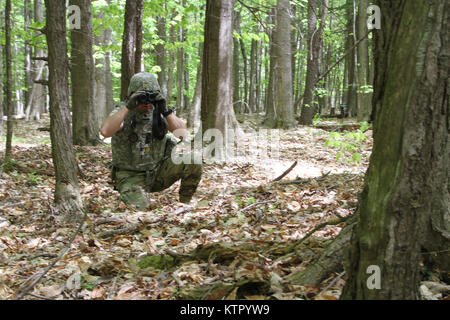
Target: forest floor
230, 242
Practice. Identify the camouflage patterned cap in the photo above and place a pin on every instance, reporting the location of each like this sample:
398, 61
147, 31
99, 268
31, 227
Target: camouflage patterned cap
143, 81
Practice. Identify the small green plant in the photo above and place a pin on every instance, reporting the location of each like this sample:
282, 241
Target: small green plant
316, 120
33, 179
250, 201
348, 143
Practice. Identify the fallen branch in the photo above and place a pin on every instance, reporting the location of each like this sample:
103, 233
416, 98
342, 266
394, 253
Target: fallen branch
319, 226
133, 228
332, 283
255, 204
286, 172
38, 278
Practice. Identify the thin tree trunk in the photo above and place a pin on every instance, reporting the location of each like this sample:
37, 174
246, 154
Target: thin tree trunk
160, 52
171, 74
216, 107
8, 84
271, 113
128, 46
139, 30
193, 120
285, 108
85, 124
67, 193
364, 96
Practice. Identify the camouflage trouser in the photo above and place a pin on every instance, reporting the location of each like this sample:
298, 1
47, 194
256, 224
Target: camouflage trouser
133, 185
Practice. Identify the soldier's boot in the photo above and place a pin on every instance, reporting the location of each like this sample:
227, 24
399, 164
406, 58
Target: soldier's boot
189, 182
135, 197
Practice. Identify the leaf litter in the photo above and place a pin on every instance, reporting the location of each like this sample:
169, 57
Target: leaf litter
231, 240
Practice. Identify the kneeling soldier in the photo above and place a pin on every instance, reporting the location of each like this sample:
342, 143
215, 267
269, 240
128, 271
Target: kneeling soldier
141, 148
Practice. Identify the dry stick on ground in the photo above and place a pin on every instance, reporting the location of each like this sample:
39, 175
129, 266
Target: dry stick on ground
332, 283
319, 226
135, 227
286, 172
30, 286
255, 204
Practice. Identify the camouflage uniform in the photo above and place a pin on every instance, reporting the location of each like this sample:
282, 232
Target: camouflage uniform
142, 163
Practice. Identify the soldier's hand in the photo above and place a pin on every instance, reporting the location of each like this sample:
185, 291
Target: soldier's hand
165, 111
133, 101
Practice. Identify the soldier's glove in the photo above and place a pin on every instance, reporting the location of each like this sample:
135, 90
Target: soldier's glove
165, 111
136, 99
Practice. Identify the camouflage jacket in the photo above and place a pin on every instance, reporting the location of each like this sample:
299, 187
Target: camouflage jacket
134, 148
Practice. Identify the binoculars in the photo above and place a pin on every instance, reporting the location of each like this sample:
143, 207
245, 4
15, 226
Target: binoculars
146, 97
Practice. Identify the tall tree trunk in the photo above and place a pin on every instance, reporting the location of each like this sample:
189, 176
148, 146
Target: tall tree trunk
170, 76
27, 62
364, 96
85, 123
128, 46
36, 102
271, 113
404, 206
349, 101
180, 73
314, 48
103, 102
67, 193
193, 120
8, 84
216, 107
139, 35
252, 74
237, 105
285, 108
160, 52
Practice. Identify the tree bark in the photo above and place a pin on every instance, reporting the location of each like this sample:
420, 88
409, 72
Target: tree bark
139, 39
284, 104
193, 120
271, 113
160, 52
403, 210
67, 193
364, 96
8, 84
308, 108
216, 107
128, 46
85, 123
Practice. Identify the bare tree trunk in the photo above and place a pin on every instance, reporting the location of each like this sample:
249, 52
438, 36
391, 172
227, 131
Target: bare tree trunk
67, 193
364, 97
27, 62
160, 52
103, 103
193, 120
139, 30
285, 108
170, 76
271, 113
128, 46
216, 107
85, 123
180, 73
8, 65
237, 104
403, 209
314, 47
